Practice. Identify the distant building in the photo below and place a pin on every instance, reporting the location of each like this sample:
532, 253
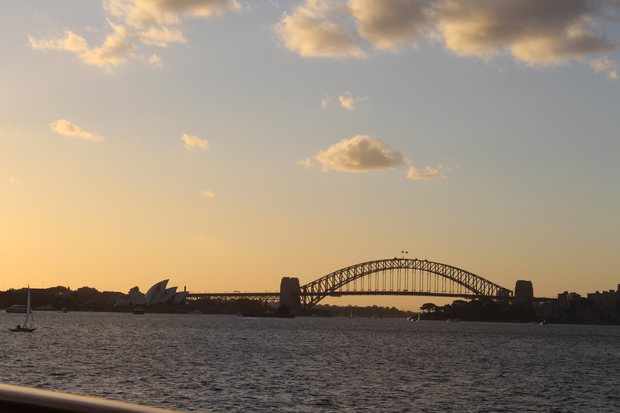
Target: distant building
566, 297
157, 294
607, 299
524, 291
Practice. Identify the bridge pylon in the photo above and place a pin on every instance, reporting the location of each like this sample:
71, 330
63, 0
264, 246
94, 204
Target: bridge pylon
290, 295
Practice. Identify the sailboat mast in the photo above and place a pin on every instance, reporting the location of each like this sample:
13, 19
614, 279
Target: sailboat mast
28, 311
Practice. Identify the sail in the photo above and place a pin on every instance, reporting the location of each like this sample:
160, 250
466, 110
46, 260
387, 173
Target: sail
29, 323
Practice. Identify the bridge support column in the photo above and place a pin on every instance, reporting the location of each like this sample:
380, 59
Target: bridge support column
290, 295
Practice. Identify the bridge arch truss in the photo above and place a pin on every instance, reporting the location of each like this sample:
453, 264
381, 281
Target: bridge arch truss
401, 276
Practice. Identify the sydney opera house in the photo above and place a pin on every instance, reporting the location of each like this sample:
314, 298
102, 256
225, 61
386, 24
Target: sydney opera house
157, 294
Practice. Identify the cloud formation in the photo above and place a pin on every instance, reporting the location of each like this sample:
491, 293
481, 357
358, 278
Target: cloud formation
534, 32
192, 142
345, 101
206, 194
610, 67
428, 173
389, 24
306, 162
361, 153
138, 24
315, 29
71, 42
146, 14
64, 127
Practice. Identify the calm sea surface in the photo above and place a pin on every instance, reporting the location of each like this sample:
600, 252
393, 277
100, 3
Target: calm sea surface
230, 364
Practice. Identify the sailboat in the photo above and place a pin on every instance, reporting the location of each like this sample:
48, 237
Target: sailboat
28, 326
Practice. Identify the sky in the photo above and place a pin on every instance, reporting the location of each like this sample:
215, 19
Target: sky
225, 144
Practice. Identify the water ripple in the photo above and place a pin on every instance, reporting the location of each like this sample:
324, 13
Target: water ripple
230, 364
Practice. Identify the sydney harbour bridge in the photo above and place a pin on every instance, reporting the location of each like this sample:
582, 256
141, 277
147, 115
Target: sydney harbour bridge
396, 276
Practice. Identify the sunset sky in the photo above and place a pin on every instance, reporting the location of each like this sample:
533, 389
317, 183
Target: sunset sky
225, 144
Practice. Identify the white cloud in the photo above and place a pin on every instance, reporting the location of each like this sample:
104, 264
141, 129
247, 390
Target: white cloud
535, 32
345, 101
139, 23
387, 24
428, 173
64, 127
610, 67
309, 31
161, 36
191, 142
155, 61
360, 154
306, 162
114, 50
71, 42
206, 194
148, 13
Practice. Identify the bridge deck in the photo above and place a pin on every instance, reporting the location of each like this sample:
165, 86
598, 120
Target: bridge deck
276, 296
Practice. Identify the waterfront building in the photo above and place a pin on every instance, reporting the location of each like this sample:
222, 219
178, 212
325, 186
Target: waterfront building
607, 300
157, 294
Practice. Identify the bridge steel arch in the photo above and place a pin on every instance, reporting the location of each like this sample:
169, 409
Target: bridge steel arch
401, 276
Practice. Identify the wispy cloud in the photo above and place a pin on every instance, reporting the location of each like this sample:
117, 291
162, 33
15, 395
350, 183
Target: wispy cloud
361, 153
428, 172
114, 51
137, 24
70, 42
64, 127
206, 194
192, 142
145, 14
306, 162
609, 67
155, 61
345, 101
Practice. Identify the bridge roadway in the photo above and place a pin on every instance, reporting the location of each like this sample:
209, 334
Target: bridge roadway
275, 296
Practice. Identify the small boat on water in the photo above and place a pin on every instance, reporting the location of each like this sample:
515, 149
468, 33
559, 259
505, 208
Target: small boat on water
17, 308
28, 326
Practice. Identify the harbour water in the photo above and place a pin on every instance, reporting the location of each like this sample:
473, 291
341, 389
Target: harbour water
208, 363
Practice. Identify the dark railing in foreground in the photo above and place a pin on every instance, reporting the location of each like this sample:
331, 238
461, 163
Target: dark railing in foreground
14, 399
